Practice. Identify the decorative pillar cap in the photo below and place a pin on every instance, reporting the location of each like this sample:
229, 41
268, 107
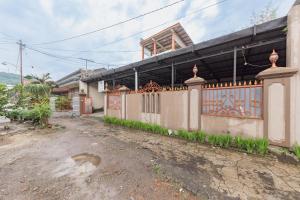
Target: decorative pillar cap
195, 80
123, 89
273, 58
274, 71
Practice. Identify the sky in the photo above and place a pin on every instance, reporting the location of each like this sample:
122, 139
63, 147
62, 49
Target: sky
41, 21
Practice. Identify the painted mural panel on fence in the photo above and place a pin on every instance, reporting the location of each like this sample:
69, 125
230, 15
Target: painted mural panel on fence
114, 102
235, 101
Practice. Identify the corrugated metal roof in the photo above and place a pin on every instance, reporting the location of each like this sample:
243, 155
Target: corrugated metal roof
216, 53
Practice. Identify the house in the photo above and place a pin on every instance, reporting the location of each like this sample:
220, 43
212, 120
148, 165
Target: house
71, 85
246, 82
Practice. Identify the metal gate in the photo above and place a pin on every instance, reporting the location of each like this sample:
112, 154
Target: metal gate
87, 105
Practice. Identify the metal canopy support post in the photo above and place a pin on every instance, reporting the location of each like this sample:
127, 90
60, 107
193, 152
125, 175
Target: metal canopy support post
136, 79
114, 83
172, 75
234, 64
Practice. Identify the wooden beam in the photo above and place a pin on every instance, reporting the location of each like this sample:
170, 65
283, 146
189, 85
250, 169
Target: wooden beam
154, 47
143, 52
177, 39
160, 45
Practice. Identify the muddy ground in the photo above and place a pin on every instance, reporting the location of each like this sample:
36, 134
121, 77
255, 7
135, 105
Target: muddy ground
90, 160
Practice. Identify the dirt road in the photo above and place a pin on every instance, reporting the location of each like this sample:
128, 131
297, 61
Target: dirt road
88, 160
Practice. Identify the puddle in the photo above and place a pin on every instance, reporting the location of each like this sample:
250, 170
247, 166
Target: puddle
79, 165
86, 157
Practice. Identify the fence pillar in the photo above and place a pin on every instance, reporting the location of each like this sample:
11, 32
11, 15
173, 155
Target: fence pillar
277, 101
123, 90
293, 61
52, 103
82, 97
194, 100
106, 91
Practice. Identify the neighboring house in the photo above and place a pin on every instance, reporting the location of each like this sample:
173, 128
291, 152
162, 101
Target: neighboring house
71, 85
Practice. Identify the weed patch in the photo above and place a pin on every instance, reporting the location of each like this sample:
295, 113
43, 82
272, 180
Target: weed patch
250, 145
296, 151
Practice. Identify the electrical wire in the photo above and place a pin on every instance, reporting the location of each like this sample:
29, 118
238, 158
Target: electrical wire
113, 25
252, 65
157, 26
66, 58
162, 24
90, 51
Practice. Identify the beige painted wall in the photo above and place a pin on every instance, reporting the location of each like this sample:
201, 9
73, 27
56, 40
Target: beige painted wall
151, 118
174, 109
293, 60
133, 106
97, 97
276, 116
114, 113
83, 87
236, 126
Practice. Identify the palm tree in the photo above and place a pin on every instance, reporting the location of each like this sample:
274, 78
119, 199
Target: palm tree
40, 87
44, 79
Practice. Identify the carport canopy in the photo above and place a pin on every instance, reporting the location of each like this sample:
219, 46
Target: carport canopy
238, 56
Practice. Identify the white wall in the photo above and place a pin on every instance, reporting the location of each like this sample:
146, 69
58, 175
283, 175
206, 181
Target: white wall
97, 97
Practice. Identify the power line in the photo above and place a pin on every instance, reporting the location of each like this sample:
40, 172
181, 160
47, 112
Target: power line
113, 25
91, 51
157, 26
66, 58
8, 36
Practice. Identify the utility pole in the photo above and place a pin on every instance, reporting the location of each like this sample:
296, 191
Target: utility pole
21, 45
86, 62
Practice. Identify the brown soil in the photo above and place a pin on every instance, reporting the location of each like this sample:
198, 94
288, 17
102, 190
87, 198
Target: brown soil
90, 160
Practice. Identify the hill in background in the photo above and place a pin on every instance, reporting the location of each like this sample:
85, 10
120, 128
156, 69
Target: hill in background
9, 78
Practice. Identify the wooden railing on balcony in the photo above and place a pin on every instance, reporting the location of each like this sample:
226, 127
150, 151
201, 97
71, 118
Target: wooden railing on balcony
233, 100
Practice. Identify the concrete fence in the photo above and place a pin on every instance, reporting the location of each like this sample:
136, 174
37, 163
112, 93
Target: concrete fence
251, 109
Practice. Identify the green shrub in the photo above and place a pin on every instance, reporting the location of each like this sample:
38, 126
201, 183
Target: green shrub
39, 114
201, 136
296, 150
63, 103
212, 140
3, 97
249, 145
238, 140
220, 140
192, 136
262, 146
225, 141
154, 128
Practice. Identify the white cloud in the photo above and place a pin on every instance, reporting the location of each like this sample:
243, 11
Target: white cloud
47, 6
53, 22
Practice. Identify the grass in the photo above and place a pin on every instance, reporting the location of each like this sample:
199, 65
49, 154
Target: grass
137, 125
250, 145
296, 150
156, 168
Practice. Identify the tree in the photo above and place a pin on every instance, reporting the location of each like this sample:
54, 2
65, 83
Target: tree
3, 97
44, 79
266, 14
